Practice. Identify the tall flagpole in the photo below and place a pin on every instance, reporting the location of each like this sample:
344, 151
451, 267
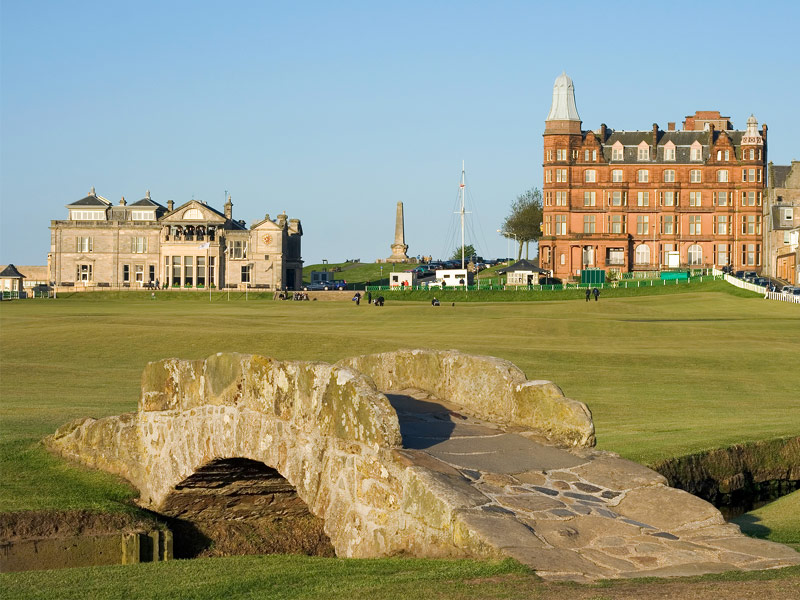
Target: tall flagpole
463, 184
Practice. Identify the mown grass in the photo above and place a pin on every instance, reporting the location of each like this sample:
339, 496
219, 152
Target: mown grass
664, 375
778, 521
300, 577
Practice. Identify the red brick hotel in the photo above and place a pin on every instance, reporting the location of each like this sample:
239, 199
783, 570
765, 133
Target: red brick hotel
649, 200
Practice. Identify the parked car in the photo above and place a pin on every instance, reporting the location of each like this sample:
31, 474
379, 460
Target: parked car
791, 290
739, 274
762, 281
325, 285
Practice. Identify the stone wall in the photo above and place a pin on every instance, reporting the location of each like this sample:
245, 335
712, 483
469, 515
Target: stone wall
490, 388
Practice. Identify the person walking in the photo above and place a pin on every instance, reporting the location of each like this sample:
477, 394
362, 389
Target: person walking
357, 298
588, 294
596, 293
369, 297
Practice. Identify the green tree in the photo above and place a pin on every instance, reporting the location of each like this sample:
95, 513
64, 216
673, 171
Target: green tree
524, 223
469, 250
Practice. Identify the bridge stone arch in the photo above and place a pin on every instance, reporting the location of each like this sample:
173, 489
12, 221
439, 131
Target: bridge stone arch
326, 429
492, 485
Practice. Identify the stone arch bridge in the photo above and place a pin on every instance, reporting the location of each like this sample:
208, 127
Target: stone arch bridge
415, 452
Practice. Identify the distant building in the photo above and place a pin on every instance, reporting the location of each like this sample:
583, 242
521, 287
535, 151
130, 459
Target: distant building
782, 223
522, 272
652, 199
192, 246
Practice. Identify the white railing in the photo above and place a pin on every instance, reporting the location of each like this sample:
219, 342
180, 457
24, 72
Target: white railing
760, 289
782, 297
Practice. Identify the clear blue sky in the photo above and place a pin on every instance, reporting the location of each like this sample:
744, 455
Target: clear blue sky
335, 111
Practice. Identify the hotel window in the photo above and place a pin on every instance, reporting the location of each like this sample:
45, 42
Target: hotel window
561, 224
561, 154
616, 224
669, 176
245, 273
138, 245
665, 250
642, 255
83, 273
616, 153
642, 224
642, 198
744, 174
721, 198
722, 175
548, 227
668, 198
211, 273
151, 273
695, 198
751, 254
721, 225
727, 154
695, 176
643, 153
237, 249
752, 154
616, 175
126, 273
588, 223
590, 176
561, 175
84, 244
589, 198
549, 155
751, 224
561, 198
669, 153
594, 155
616, 198
668, 224
721, 257
749, 198
643, 176
696, 153
586, 156
562, 259
695, 225
695, 254
138, 273
755, 174
143, 215
548, 176
719, 154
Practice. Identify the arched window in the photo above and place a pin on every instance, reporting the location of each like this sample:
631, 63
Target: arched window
642, 256
695, 254
193, 214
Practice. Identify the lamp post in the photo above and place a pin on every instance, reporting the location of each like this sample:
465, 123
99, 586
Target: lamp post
506, 234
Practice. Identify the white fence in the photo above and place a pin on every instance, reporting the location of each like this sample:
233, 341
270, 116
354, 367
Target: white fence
760, 289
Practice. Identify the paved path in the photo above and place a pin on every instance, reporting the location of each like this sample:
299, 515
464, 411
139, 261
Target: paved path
579, 515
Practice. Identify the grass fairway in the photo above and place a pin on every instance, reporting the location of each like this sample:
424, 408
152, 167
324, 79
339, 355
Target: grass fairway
778, 521
663, 375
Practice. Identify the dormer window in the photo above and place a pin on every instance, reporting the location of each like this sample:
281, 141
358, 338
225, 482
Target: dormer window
669, 153
644, 152
696, 152
617, 151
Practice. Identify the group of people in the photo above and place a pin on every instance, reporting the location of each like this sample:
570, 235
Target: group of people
593, 292
378, 301
294, 296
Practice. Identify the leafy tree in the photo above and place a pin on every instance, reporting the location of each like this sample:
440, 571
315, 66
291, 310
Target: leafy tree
524, 223
469, 250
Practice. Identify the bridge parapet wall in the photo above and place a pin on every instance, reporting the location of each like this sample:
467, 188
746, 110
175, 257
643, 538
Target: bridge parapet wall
490, 388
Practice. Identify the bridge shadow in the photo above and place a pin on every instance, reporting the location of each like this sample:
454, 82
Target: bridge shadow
423, 423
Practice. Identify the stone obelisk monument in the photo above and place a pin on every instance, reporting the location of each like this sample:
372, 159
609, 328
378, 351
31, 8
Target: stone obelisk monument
399, 247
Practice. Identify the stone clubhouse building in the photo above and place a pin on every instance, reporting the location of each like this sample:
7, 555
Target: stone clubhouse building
193, 246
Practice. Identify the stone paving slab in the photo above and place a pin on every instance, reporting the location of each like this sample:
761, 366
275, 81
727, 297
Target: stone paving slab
578, 515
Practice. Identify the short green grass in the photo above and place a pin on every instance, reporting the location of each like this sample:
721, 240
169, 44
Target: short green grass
778, 521
663, 375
